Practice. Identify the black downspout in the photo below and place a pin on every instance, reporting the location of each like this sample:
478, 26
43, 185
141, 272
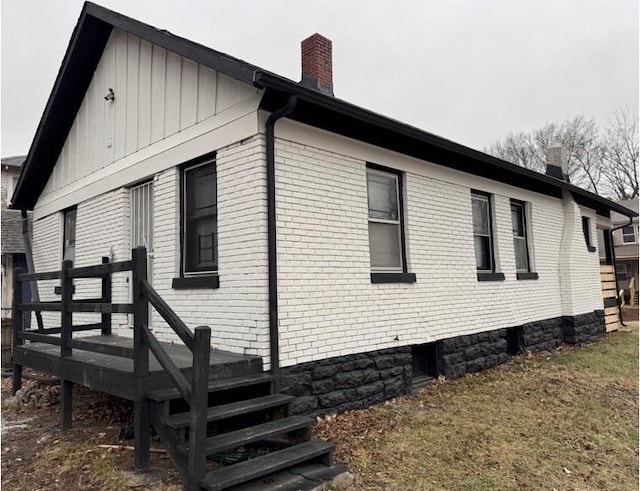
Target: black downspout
615, 272
33, 285
271, 234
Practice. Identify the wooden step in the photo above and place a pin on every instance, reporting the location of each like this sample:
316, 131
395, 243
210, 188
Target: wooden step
238, 438
216, 413
218, 385
266, 464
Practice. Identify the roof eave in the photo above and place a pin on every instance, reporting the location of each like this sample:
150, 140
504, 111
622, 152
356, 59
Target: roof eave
268, 80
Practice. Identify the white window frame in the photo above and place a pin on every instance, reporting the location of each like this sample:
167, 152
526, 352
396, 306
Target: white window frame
398, 222
634, 237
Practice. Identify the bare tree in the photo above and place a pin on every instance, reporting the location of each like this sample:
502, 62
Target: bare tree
620, 155
580, 137
605, 162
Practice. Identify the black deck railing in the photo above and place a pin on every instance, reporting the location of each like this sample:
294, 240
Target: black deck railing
194, 391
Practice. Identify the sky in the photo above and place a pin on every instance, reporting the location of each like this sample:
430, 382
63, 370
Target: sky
468, 70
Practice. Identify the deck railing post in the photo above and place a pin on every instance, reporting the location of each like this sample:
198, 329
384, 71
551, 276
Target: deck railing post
141, 417
199, 402
17, 327
66, 317
106, 298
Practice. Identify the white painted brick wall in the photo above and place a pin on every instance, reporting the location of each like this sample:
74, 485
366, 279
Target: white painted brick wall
47, 254
328, 305
101, 230
580, 286
237, 312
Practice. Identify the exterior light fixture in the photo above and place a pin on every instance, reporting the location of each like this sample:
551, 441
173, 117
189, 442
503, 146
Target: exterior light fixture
110, 96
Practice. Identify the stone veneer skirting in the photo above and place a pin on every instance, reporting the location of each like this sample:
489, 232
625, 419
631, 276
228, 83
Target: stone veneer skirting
361, 380
544, 335
472, 353
583, 328
348, 382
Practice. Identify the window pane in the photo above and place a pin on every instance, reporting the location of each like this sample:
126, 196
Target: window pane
70, 227
522, 261
483, 252
200, 219
517, 222
480, 207
383, 196
628, 234
384, 246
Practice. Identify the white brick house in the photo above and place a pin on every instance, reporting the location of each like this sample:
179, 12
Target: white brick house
148, 139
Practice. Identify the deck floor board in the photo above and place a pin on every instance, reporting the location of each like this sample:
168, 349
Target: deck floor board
115, 375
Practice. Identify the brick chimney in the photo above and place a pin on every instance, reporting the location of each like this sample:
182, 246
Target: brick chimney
317, 64
557, 162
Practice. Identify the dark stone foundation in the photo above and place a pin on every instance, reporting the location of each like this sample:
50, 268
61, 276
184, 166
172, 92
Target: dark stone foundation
544, 335
584, 328
348, 382
472, 353
358, 381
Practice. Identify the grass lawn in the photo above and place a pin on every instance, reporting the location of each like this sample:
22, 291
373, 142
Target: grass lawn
566, 420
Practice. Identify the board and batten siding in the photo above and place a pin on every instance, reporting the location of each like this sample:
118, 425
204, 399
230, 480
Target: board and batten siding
162, 101
327, 303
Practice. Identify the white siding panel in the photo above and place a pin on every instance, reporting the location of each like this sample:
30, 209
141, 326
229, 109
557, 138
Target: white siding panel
120, 89
133, 65
158, 94
158, 81
230, 92
188, 93
206, 93
108, 66
144, 95
172, 94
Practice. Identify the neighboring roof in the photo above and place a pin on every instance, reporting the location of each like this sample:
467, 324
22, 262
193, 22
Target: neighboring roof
16, 161
87, 44
12, 241
631, 204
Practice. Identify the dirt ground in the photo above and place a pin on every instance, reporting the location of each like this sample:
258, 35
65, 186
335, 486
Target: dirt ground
565, 420
36, 455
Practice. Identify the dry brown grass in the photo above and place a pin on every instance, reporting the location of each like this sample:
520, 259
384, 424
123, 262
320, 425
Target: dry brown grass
566, 421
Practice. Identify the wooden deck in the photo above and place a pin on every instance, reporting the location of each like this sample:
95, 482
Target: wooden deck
115, 375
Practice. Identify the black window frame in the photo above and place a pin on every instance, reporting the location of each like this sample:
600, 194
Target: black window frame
586, 231
522, 206
205, 277
399, 275
65, 231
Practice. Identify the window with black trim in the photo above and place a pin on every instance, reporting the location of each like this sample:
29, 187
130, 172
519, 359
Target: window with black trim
520, 239
385, 221
586, 230
69, 235
482, 232
200, 218
386, 227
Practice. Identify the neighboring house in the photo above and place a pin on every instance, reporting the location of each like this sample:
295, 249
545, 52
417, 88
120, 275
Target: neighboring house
625, 240
353, 252
13, 249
